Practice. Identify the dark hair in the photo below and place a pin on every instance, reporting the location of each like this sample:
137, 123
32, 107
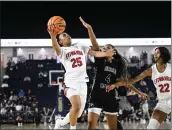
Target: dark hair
58, 40
121, 64
164, 54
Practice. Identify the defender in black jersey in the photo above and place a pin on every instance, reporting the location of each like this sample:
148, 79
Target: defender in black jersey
107, 71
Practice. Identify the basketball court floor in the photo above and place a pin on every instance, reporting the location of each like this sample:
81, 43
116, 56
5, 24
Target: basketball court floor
126, 125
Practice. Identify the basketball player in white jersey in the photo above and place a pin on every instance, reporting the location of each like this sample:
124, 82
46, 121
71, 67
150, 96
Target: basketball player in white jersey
161, 76
73, 58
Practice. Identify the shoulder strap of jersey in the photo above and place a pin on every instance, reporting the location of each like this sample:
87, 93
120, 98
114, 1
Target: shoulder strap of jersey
154, 69
169, 65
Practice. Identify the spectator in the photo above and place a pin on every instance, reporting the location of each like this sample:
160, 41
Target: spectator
19, 120
29, 93
3, 110
21, 93
19, 107
37, 117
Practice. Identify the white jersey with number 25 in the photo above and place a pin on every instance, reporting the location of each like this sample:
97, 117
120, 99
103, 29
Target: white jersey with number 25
73, 59
162, 81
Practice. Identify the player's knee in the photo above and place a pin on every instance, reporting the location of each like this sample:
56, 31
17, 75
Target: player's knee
153, 124
76, 108
80, 113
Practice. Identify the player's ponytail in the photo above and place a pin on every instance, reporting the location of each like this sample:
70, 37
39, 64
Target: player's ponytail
122, 65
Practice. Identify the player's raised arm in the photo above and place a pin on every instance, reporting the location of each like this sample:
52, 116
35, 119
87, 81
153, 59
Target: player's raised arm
55, 44
91, 35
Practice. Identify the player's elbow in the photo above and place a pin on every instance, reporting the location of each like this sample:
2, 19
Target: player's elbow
92, 53
96, 48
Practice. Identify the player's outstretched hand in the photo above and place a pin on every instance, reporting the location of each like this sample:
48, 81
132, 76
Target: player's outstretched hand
117, 84
52, 33
111, 87
143, 96
86, 25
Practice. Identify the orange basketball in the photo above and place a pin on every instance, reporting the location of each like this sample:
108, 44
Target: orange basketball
56, 24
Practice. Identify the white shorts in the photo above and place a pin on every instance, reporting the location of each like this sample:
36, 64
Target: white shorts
164, 105
81, 90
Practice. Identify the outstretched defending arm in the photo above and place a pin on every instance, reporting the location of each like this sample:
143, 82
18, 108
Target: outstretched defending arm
144, 74
91, 35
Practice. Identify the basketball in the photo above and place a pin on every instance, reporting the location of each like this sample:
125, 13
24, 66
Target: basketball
56, 24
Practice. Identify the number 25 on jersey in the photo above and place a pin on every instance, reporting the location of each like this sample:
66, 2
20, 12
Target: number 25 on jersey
76, 62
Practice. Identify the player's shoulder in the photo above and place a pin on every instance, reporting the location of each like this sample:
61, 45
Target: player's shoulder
75, 44
99, 61
63, 47
79, 45
169, 64
152, 67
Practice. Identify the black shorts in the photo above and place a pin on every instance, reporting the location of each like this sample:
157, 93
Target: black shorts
101, 100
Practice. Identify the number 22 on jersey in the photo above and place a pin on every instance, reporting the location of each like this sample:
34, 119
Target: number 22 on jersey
164, 88
76, 62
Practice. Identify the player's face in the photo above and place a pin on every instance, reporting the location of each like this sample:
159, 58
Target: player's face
157, 55
108, 48
65, 39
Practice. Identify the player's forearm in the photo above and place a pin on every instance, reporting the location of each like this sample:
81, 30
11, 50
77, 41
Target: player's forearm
119, 84
55, 45
136, 79
93, 39
96, 53
100, 54
134, 89
143, 75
